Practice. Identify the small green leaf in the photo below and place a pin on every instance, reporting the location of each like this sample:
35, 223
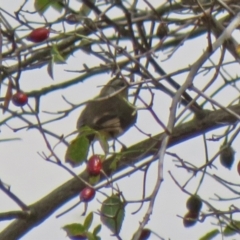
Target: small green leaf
102, 138
88, 221
232, 228
97, 229
75, 230
57, 6
93, 180
87, 131
85, 40
85, 44
42, 5
90, 236
114, 163
77, 150
210, 235
50, 69
56, 56
112, 213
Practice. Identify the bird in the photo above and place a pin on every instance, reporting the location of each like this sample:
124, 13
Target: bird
105, 117
109, 113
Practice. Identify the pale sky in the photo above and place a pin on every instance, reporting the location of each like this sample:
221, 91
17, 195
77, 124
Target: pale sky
31, 178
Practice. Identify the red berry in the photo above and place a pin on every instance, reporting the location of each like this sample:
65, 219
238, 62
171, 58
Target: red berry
19, 99
94, 165
87, 194
38, 35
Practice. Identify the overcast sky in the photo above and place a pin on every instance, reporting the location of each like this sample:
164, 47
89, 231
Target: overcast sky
31, 178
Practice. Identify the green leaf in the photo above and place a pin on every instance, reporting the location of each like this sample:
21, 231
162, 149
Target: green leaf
85, 44
113, 165
56, 56
88, 221
90, 236
102, 138
87, 131
50, 69
75, 229
112, 213
210, 235
77, 150
42, 5
57, 6
93, 180
232, 228
97, 229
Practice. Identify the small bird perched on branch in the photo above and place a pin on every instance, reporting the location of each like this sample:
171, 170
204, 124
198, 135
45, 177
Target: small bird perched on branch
106, 117
111, 113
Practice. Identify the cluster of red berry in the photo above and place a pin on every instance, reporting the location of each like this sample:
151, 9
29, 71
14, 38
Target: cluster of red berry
94, 164
94, 168
37, 35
